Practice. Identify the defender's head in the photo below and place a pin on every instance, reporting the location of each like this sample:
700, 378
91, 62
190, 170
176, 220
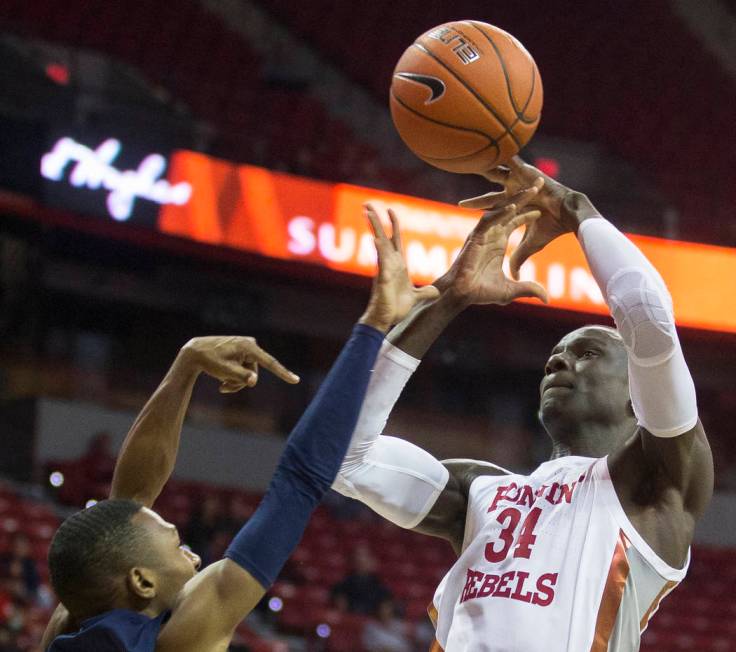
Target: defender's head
585, 388
118, 555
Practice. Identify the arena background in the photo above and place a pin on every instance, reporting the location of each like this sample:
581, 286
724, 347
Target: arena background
268, 121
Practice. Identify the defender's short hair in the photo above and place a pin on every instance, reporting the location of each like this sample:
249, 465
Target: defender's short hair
92, 547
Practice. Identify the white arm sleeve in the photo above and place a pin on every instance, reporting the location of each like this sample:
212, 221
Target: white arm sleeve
395, 478
661, 388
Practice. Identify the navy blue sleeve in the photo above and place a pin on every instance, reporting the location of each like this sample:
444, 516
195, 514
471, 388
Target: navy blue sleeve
308, 466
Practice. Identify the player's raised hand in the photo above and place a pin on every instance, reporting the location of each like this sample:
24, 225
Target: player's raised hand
393, 294
551, 200
476, 276
234, 361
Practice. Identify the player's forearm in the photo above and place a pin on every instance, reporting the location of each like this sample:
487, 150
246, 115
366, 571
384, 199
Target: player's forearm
426, 323
312, 457
395, 478
660, 384
148, 454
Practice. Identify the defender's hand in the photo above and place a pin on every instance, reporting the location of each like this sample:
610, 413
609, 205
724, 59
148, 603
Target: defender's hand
393, 294
476, 276
559, 206
232, 360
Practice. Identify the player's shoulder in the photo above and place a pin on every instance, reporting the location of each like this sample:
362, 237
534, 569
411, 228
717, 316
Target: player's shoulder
119, 629
466, 471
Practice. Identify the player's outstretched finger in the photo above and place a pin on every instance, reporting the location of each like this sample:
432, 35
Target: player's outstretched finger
273, 365
529, 289
395, 230
484, 202
525, 219
491, 218
372, 215
521, 253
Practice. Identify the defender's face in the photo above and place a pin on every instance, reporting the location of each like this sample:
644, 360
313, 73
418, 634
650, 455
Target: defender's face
175, 565
585, 378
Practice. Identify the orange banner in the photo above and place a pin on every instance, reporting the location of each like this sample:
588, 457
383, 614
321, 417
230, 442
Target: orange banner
293, 218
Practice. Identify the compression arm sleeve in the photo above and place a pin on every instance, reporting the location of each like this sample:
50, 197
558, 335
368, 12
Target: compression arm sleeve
309, 463
395, 478
660, 384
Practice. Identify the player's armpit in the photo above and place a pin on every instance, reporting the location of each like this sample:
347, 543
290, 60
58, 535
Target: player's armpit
446, 519
211, 606
650, 471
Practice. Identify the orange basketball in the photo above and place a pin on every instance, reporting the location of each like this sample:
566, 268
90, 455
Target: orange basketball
466, 96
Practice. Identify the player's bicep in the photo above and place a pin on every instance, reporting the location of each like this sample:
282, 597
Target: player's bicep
212, 605
685, 462
447, 517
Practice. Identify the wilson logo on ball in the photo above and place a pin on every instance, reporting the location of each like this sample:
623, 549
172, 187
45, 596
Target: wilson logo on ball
435, 85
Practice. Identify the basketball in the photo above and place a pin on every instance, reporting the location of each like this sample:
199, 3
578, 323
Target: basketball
466, 96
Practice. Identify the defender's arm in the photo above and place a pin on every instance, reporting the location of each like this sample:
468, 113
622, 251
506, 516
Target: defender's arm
213, 603
148, 454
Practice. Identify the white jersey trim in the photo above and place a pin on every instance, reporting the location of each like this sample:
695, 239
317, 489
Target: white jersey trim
611, 501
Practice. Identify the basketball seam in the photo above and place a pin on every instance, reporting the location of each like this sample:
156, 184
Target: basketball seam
472, 92
458, 159
492, 143
519, 115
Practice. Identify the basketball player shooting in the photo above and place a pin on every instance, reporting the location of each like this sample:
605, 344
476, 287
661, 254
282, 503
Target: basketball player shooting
119, 569
576, 556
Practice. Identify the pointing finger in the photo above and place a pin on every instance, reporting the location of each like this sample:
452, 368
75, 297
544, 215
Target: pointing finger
273, 365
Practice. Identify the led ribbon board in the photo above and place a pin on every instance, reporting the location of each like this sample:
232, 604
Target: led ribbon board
294, 218
94, 169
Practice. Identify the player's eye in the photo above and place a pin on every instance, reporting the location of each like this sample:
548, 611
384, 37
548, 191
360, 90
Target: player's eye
589, 353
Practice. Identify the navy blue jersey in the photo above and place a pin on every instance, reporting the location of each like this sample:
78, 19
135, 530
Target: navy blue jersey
119, 630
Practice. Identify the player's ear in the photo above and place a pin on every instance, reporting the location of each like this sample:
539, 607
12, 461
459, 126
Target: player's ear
142, 582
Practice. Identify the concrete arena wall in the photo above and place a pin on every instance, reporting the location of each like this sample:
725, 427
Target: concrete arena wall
232, 458
214, 455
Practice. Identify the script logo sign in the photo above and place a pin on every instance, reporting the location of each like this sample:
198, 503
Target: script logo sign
94, 169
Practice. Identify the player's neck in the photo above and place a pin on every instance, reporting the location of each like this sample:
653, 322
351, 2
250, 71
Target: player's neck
587, 440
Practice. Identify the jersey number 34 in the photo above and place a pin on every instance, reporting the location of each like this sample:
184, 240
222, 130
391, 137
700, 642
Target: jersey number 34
509, 518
